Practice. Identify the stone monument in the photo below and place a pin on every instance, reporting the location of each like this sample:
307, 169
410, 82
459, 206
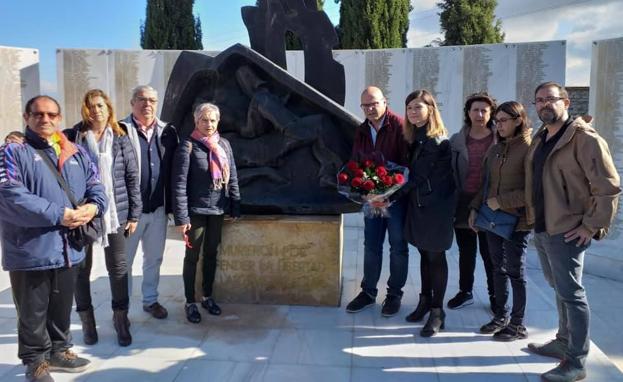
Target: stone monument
289, 141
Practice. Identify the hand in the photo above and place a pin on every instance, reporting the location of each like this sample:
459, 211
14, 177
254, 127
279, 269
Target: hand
183, 228
379, 203
86, 212
130, 227
581, 233
493, 203
70, 218
471, 220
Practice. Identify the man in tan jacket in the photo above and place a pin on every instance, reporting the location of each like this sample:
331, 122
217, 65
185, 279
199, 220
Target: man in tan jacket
572, 190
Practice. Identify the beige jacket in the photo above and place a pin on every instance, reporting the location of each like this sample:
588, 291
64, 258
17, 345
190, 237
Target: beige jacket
580, 182
504, 162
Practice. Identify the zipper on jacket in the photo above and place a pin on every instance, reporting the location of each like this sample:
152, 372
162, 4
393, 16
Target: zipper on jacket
564, 188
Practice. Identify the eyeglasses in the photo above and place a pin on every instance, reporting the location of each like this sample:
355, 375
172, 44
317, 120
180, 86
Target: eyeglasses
370, 105
504, 120
145, 100
543, 100
41, 114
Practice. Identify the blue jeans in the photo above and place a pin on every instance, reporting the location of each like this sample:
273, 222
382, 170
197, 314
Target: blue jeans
509, 263
151, 232
562, 265
374, 236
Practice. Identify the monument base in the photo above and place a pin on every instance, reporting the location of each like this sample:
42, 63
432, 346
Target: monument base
279, 259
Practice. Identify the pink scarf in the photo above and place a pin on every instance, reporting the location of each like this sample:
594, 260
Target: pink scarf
219, 164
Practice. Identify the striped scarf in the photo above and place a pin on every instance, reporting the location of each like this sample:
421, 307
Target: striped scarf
219, 164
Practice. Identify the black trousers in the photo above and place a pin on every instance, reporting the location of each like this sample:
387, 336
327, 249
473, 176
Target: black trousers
43, 303
509, 264
205, 237
468, 242
434, 276
117, 266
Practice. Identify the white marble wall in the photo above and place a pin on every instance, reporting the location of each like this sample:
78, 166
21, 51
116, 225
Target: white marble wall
19, 81
507, 71
606, 106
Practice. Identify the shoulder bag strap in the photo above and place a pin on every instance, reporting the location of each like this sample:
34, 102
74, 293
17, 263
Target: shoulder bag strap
59, 178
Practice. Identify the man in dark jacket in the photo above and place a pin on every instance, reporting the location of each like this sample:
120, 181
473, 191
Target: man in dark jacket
35, 217
154, 143
381, 135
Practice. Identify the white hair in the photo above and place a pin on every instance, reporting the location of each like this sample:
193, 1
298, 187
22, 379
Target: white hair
206, 106
143, 88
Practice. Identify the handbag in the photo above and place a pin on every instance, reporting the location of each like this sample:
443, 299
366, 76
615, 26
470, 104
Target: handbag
85, 234
498, 222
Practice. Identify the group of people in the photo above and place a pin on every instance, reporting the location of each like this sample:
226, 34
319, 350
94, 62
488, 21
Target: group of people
128, 175
560, 183
123, 178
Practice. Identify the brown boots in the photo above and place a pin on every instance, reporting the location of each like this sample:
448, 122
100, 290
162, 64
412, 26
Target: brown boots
122, 326
120, 321
89, 333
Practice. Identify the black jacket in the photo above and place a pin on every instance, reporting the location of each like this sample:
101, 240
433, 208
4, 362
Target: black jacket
125, 175
191, 183
431, 195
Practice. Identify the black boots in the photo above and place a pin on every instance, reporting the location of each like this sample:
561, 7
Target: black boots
420, 311
89, 333
436, 322
122, 326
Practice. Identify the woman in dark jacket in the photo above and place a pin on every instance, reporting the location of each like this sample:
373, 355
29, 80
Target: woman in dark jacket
109, 147
205, 185
469, 146
431, 204
504, 169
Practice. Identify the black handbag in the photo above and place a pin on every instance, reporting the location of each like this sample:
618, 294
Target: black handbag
85, 234
498, 222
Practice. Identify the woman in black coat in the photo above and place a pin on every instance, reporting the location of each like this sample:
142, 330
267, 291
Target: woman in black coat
431, 203
205, 187
109, 147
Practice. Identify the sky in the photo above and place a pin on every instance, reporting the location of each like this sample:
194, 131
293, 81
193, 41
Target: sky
114, 24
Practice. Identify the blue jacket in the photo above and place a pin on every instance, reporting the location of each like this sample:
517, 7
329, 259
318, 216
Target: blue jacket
191, 181
32, 204
124, 175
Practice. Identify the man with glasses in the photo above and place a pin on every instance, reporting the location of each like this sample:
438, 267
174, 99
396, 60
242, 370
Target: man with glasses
154, 143
572, 190
380, 135
35, 217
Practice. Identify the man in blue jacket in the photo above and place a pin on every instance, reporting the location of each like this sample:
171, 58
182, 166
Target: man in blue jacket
35, 218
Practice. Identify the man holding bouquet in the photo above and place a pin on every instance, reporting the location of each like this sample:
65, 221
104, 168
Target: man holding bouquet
380, 135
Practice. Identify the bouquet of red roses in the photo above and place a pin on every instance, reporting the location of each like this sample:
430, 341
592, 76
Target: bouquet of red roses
366, 182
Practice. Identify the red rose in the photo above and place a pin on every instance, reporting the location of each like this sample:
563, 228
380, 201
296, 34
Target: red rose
356, 182
368, 185
342, 177
352, 165
368, 163
358, 172
399, 178
381, 171
387, 180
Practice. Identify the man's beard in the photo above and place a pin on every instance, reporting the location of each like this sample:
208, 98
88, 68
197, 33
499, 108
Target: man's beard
549, 116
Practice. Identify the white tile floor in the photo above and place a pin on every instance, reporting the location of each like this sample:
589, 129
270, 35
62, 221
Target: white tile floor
296, 343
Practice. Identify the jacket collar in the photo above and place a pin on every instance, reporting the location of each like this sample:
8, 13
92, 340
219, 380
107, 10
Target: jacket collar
35, 140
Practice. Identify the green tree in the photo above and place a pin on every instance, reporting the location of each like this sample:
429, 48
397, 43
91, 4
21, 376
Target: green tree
373, 24
469, 22
170, 24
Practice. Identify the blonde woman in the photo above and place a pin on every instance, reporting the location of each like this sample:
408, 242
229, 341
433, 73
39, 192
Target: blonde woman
109, 147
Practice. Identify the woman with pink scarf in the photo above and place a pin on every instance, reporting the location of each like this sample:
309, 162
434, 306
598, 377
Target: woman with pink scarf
205, 187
